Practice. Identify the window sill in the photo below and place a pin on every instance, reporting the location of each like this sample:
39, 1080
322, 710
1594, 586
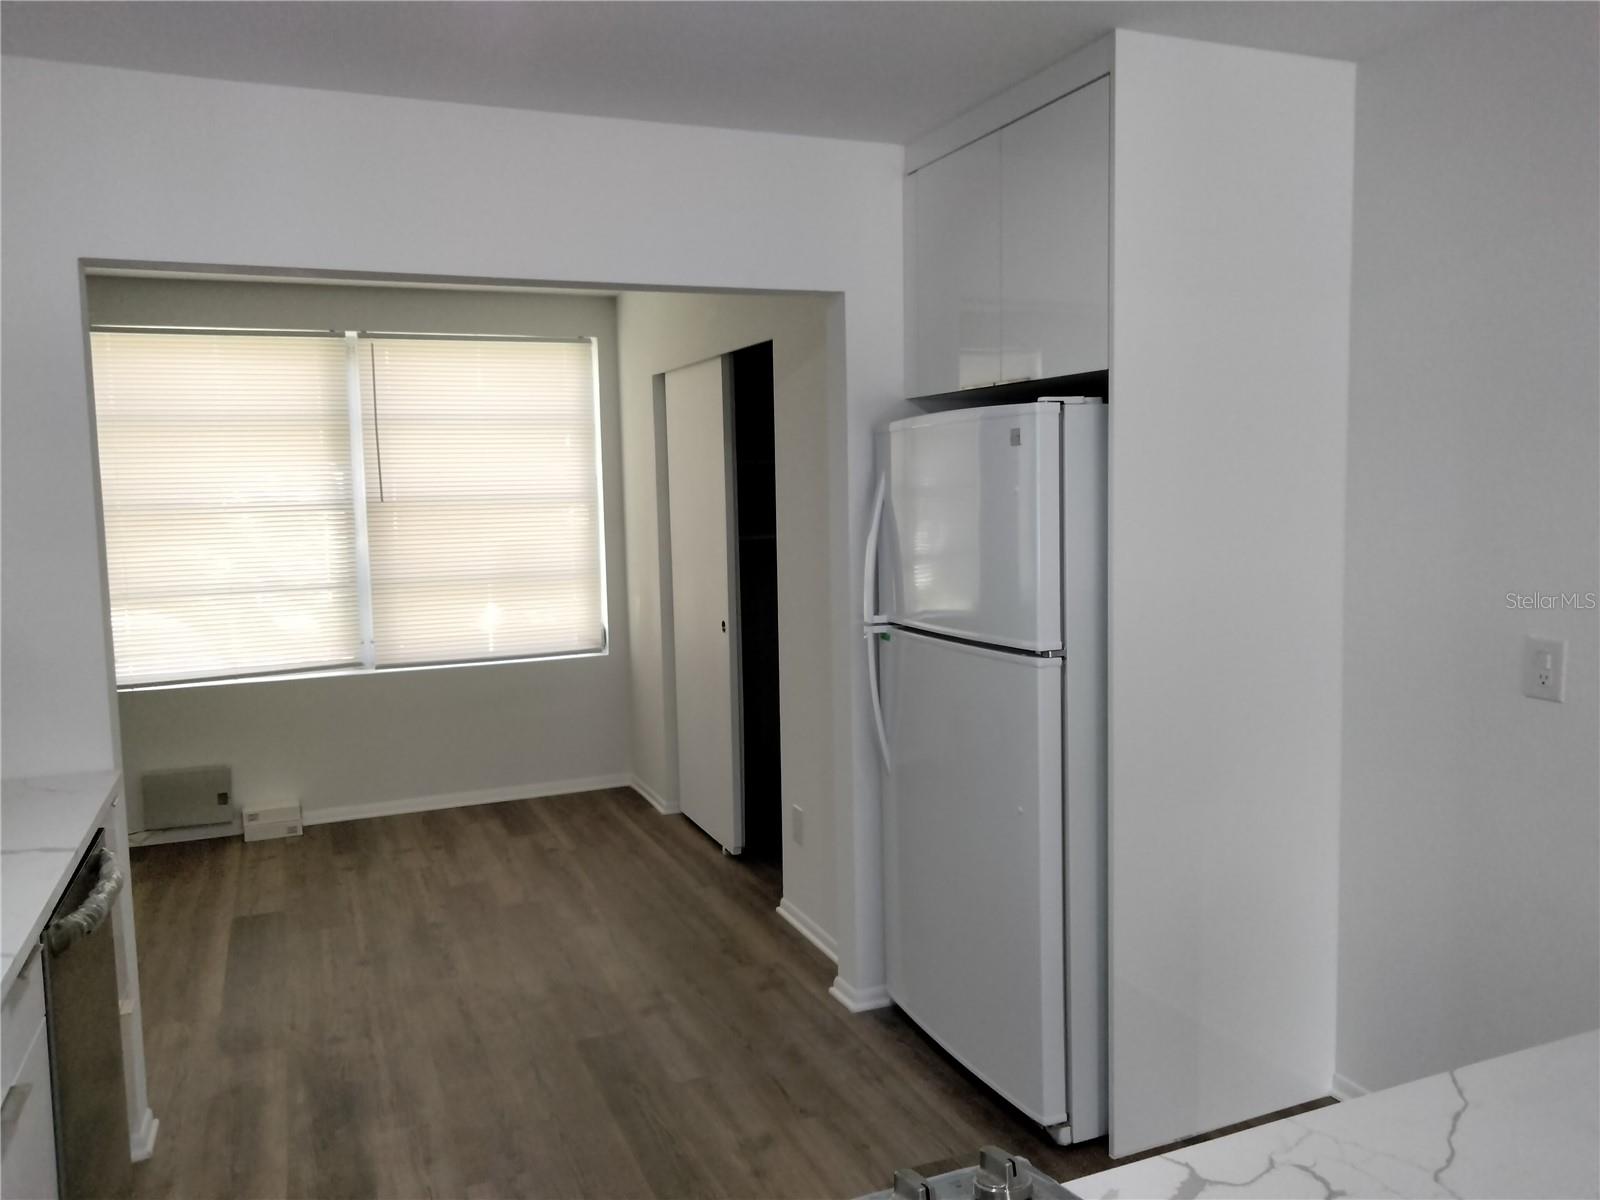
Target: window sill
357, 672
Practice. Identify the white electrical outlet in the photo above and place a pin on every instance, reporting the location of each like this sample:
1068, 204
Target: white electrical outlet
1544, 669
797, 824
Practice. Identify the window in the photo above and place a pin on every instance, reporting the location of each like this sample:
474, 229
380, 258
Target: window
294, 502
483, 514
225, 474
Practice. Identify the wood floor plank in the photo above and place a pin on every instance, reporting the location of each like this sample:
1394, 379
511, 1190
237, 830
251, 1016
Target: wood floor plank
249, 1117
572, 996
253, 1013
641, 1107
732, 1126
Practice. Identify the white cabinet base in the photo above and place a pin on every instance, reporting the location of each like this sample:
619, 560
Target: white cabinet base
27, 1120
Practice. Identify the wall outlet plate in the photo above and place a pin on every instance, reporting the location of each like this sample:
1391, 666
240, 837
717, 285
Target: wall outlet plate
1544, 669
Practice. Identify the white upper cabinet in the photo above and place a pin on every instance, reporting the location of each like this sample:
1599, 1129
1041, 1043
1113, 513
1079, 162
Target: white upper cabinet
1055, 192
955, 307
1009, 251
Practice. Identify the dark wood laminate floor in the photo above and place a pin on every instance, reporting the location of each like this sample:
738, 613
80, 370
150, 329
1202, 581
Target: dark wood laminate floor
569, 996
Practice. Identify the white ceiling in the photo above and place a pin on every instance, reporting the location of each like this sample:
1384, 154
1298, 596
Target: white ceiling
867, 69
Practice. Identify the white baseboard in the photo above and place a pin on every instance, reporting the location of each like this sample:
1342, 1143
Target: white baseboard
142, 1143
859, 1000
1347, 1089
657, 802
416, 804
808, 929
410, 804
187, 833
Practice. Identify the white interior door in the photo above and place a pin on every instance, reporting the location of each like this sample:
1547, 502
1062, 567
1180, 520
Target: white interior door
704, 635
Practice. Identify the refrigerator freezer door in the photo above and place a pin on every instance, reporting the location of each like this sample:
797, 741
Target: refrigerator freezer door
974, 860
972, 532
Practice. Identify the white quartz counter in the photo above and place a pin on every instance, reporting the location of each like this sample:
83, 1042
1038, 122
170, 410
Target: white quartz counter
1523, 1125
46, 824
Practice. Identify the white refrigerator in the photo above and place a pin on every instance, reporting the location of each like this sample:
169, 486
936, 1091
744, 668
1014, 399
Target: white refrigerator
984, 608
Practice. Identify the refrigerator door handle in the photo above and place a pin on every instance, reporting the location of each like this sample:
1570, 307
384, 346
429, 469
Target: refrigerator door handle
869, 565
877, 699
871, 620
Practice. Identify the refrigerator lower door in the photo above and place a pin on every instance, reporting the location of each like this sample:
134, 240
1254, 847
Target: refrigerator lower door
973, 835
971, 539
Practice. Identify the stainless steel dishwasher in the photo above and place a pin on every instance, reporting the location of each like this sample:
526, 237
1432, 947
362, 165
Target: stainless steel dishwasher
83, 1017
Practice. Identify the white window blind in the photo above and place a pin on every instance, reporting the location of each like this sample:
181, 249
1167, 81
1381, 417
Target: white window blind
482, 498
237, 541
225, 473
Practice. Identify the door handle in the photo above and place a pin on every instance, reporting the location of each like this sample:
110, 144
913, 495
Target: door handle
869, 565
91, 914
874, 690
724, 627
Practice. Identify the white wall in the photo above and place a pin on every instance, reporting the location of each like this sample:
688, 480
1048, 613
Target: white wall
1230, 301
1470, 890
393, 736
659, 331
127, 165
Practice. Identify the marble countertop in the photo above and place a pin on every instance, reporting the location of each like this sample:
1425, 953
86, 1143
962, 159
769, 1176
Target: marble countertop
46, 824
1522, 1125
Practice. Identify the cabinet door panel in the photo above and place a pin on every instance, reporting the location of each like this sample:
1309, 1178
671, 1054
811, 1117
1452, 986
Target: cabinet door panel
1056, 237
27, 1126
955, 310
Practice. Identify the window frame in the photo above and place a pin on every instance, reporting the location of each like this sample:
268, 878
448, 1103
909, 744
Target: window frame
366, 664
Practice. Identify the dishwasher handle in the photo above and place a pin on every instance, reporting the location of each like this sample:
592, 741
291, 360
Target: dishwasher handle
92, 913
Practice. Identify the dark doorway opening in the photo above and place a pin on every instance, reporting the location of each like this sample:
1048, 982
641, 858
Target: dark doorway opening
755, 504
